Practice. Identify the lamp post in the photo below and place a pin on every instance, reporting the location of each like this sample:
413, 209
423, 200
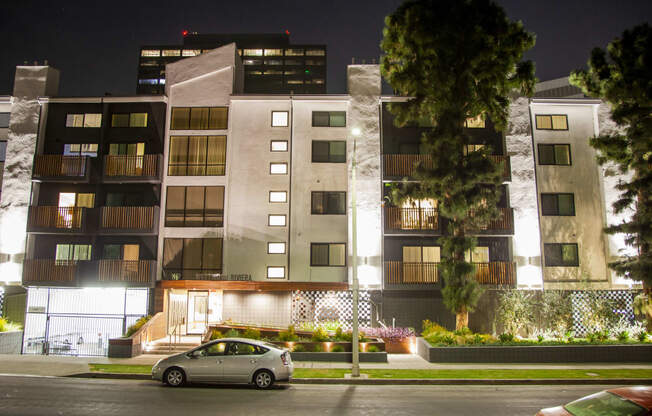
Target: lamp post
355, 346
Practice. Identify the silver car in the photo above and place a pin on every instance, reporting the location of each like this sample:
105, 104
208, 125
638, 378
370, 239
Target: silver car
229, 360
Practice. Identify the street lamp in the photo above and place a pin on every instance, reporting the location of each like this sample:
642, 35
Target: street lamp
355, 344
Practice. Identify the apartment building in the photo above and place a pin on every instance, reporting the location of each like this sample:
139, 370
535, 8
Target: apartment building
272, 64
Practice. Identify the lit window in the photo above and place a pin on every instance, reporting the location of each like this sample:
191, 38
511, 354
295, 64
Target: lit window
476, 122
273, 62
199, 118
561, 255
314, 62
161, 81
92, 120
328, 254
75, 120
552, 122
275, 272
253, 52
279, 118
279, 146
315, 52
273, 52
191, 52
84, 120
276, 220
276, 248
77, 149
329, 118
72, 252
273, 72
252, 62
317, 81
554, 154
291, 72
171, 52
138, 120
150, 52
558, 204
278, 196
197, 156
478, 255
148, 81
294, 52
278, 168
294, 81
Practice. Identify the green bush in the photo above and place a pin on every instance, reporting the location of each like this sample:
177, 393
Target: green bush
506, 337
317, 348
215, 334
337, 348
540, 338
299, 348
478, 339
339, 334
642, 336
6, 325
320, 335
251, 333
232, 333
137, 325
289, 335
463, 331
373, 348
623, 336
430, 328
516, 310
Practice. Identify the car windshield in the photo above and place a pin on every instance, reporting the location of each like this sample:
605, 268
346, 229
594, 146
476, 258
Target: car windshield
604, 404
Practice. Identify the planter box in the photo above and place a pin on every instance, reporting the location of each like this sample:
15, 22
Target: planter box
535, 354
339, 357
310, 346
399, 347
123, 348
11, 342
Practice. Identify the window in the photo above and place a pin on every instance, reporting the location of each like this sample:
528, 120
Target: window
472, 148
561, 254
84, 120
558, 204
274, 220
273, 62
275, 248
212, 350
276, 272
197, 156
80, 149
329, 151
279, 118
421, 254
150, 52
294, 52
253, 52
4, 120
478, 255
279, 146
253, 62
191, 258
171, 52
329, 118
552, 122
328, 254
315, 52
294, 81
328, 203
124, 199
278, 196
199, 118
129, 120
278, 168
476, 122
127, 149
80, 200
554, 154
273, 52
191, 52
148, 81
129, 252
194, 206
73, 252
3, 150
314, 62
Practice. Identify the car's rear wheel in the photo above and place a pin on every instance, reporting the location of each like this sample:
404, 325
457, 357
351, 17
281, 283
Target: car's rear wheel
174, 377
263, 379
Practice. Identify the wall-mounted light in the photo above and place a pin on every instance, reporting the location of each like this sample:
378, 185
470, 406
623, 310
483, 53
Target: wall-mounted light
356, 131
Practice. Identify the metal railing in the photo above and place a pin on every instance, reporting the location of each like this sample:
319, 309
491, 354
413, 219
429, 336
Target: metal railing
55, 217
492, 273
136, 166
135, 218
49, 270
397, 218
133, 271
60, 166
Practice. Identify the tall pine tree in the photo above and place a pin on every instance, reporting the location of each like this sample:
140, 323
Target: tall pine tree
455, 60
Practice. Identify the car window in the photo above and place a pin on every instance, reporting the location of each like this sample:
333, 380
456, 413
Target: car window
604, 403
212, 349
240, 348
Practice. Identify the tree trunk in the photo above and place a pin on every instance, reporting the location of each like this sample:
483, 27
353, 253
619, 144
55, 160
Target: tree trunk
462, 319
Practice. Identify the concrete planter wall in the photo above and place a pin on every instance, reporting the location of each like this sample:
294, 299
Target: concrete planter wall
535, 354
339, 357
11, 342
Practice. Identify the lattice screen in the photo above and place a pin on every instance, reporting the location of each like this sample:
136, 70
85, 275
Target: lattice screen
320, 306
2, 301
622, 299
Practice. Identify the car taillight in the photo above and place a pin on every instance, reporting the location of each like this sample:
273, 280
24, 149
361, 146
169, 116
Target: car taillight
285, 358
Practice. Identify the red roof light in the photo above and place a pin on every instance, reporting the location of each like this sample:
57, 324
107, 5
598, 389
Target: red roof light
287, 32
184, 33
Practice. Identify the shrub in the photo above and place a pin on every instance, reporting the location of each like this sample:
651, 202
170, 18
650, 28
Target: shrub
137, 325
337, 348
339, 333
556, 312
506, 337
478, 339
540, 338
289, 335
232, 333
430, 328
317, 348
6, 325
251, 333
320, 335
463, 331
215, 334
642, 336
372, 348
299, 348
448, 340
515, 310
623, 336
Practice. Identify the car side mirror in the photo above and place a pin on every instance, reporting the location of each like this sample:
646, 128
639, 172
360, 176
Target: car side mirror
194, 354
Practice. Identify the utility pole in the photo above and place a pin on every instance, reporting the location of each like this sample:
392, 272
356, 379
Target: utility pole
355, 345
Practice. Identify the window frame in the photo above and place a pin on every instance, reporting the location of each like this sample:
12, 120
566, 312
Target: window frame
206, 165
277, 242
287, 118
271, 146
312, 210
285, 220
314, 113
181, 253
329, 244
329, 155
84, 115
220, 224
277, 202
278, 164
552, 128
557, 212
570, 156
267, 276
550, 246
208, 119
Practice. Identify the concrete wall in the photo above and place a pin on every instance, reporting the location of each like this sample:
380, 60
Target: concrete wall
265, 308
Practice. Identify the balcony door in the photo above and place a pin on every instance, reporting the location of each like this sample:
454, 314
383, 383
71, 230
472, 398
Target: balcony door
68, 216
197, 311
419, 214
131, 162
420, 264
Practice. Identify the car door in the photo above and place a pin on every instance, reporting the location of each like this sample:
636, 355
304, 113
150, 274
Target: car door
239, 362
206, 363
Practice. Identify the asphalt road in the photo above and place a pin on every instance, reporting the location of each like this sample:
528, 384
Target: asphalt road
43, 396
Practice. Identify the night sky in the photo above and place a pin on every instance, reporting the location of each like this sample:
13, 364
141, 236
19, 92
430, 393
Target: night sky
96, 44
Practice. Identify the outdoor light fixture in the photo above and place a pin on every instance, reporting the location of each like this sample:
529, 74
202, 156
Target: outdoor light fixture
356, 131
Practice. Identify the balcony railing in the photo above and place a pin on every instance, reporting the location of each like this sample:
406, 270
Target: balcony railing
49, 270
51, 217
136, 271
403, 165
145, 166
196, 274
127, 218
503, 224
493, 273
397, 218
59, 166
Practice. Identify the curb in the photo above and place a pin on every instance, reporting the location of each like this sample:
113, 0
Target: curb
414, 381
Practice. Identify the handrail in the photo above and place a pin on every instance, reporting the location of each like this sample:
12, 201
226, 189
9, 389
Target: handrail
148, 332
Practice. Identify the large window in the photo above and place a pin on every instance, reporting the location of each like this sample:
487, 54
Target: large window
194, 206
477, 255
129, 120
328, 203
561, 254
329, 151
552, 122
80, 149
328, 254
329, 118
558, 204
73, 252
84, 120
197, 156
554, 154
199, 118
191, 258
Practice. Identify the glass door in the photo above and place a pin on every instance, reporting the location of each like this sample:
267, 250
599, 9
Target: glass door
197, 311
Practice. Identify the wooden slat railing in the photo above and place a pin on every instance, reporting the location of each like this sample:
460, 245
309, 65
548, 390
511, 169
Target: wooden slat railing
493, 273
503, 223
397, 218
49, 270
55, 217
136, 271
60, 166
507, 169
403, 165
139, 166
136, 218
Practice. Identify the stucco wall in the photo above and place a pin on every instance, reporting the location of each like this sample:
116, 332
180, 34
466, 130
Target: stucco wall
10, 342
266, 309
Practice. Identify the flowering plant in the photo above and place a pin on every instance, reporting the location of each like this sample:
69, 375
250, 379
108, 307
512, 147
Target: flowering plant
389, 334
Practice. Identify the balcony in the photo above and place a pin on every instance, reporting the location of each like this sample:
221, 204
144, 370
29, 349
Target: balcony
401, 166
51, 219
411, 219
137, 220
59, 168
121, 168
498, 273
203, 274
50, 272
503, 225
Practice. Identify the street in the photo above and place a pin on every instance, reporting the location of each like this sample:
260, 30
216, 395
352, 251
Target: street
42, 396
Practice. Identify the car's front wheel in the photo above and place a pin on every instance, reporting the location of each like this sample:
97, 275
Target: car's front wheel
174, 377
264, 379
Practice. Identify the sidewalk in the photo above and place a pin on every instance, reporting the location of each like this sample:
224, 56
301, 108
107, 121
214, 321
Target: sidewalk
49, 365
